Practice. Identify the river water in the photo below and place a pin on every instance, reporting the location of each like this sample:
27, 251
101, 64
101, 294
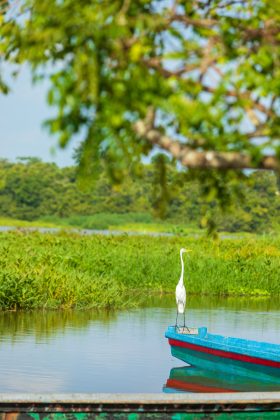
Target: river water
122, 351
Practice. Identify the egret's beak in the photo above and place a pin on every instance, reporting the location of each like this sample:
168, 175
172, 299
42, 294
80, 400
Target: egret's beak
185, 250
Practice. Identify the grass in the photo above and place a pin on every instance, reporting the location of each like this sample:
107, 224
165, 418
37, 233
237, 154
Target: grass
68, 270
126, 222
6, 221
100, 221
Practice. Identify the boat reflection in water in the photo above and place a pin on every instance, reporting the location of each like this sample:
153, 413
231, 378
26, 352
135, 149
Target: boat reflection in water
196, 379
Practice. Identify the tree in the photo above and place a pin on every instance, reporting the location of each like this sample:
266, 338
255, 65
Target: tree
31, 189
199, 79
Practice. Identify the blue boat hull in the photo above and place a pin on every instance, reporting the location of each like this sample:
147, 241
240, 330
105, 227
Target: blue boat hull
215, 352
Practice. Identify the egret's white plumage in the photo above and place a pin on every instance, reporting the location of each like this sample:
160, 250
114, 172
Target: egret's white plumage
181, 298
180, 288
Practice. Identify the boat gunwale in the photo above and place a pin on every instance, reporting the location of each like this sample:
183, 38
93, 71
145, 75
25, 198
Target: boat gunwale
259, 349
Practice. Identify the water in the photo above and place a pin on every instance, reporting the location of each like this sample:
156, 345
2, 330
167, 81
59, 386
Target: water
104, 232
125, 351
87, 232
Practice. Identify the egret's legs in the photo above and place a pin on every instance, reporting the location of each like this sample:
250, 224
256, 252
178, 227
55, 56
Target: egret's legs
185, 322
176, 325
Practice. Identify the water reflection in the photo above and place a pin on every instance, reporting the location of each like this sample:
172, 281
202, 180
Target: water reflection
196, 379
116, 351
44, 324
265, 313
263, 304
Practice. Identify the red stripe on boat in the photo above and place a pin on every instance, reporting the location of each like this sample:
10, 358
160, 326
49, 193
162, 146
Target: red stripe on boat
191, 387
225, 354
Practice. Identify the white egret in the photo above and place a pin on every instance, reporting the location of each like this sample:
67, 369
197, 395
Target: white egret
181, 290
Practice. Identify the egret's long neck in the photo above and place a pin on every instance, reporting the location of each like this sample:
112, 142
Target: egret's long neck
182, 272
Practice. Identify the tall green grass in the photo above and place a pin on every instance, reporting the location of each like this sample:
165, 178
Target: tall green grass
100, 220
68, 270
7, 221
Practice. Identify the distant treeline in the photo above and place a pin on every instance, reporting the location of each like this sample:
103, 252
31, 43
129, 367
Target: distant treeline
31, 189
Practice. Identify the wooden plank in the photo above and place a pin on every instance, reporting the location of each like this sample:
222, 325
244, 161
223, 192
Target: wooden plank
43, 405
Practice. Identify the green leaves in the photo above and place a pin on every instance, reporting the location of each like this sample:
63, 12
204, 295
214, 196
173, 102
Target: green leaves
211, 74
32, 190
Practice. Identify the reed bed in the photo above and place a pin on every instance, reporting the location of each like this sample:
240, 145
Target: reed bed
68, 270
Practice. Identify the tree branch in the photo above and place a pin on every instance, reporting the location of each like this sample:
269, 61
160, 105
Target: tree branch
200, 23
245, 95
202, 159
156, 63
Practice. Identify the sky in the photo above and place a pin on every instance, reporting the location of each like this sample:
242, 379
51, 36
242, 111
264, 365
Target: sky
22, 113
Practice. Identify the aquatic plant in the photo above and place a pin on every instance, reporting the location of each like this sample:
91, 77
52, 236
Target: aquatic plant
69, 270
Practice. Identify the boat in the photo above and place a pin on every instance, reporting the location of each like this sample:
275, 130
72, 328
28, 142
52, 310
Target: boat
193, 379
197, 347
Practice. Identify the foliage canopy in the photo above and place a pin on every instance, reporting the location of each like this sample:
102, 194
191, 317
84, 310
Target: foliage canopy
33, 190
198, 79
